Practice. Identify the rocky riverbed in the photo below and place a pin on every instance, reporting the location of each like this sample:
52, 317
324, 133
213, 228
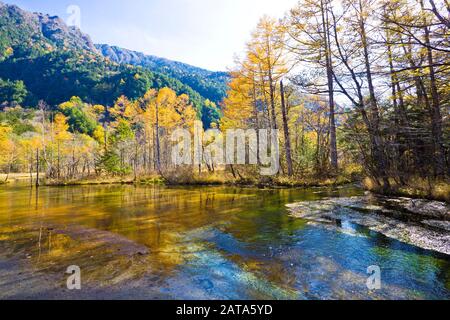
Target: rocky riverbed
422, 223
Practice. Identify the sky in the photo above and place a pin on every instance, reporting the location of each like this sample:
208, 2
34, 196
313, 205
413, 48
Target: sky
203, 33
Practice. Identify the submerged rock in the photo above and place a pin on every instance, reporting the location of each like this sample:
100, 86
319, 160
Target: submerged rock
444, 225
419, 207
393, 217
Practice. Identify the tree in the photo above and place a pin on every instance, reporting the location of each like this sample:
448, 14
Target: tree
12, 93
61, 136
77, 118
309, 29
287, 138
7, 146
266, 60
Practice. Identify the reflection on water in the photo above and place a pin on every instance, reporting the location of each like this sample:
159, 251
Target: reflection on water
200, 243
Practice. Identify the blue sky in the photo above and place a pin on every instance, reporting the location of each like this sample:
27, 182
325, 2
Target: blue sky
204, 33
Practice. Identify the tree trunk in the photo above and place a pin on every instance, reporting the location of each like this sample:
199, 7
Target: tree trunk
378, 146
436, 118
37, 168
135, 160
58, 174
272, 101
287, 138
329, 67
157, 142
271, 86
255, 111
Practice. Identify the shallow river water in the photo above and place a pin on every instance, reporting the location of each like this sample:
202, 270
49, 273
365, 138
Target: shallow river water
199, 243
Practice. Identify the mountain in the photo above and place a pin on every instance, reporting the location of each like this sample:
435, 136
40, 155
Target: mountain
211, 85
19, 27
41, 58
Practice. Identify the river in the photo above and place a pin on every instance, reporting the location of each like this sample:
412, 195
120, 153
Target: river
158, 242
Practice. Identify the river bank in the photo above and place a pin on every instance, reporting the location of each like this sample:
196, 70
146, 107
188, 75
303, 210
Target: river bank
203, 181
222, 179
415, 188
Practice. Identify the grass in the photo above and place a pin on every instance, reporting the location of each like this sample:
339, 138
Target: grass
90, 181
311, 182
226, 178
182, 177
185, 176
151, 180
415, 187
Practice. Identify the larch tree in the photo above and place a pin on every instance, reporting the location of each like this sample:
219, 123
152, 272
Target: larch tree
310, 41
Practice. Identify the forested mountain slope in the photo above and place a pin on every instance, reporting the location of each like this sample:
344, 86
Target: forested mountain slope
211, 85
41, 58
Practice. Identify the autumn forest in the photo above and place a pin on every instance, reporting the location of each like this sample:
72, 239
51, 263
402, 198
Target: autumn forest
358, 90
193, 152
